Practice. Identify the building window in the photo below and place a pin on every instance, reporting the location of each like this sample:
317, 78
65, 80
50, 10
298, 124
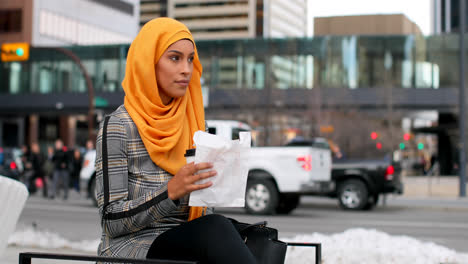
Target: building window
10, 20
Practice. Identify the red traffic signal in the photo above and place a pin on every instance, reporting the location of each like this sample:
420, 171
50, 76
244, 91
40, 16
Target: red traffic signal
374, 135
407, 136
378, 145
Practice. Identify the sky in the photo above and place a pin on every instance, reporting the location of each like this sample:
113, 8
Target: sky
418, 11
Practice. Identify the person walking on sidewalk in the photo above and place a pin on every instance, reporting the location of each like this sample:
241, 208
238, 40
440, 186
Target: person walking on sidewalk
61, 175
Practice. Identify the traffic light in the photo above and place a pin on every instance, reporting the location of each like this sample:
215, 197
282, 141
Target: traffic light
407, 136
15, 51
374, 135
420, 146
378, 145
402, 146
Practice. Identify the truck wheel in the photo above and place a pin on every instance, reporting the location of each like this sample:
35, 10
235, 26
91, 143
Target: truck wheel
92, 191
261, 197
287, 203
353, 195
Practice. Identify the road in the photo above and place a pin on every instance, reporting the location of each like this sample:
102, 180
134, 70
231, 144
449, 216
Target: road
439, 221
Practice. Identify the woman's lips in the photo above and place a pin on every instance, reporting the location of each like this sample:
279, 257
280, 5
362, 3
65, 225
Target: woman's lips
185, 83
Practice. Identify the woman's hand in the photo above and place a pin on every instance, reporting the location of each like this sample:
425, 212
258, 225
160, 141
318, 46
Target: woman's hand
184, 182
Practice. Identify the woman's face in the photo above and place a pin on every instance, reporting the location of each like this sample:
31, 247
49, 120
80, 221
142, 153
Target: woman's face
174, 70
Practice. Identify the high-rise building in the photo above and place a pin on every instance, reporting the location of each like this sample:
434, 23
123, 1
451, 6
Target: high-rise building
446, 16
77, 22
56, 23
228, 19
150, 9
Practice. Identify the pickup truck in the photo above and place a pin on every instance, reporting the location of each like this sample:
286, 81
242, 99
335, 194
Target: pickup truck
277, 177
359, 183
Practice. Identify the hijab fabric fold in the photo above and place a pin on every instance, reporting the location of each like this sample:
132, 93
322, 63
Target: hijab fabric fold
166, 130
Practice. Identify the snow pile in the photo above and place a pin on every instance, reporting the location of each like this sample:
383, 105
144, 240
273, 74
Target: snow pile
364, 246
30, 237
357, 245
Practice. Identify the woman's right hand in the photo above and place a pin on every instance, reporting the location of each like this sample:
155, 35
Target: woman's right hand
184, 181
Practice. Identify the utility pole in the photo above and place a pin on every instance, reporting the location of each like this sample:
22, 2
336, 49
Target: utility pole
461, 114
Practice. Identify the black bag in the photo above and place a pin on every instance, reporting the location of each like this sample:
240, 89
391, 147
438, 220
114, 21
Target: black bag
262, 241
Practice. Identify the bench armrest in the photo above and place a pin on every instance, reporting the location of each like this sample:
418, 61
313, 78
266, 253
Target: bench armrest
25, 258
318, 249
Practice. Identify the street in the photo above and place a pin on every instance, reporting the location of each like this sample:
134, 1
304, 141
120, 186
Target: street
440, 221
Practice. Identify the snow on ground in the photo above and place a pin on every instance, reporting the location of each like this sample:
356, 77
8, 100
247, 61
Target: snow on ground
355, 245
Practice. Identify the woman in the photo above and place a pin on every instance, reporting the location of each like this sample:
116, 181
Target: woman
149, 180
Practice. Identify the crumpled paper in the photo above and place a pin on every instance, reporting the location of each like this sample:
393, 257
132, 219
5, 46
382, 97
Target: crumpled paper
229, 160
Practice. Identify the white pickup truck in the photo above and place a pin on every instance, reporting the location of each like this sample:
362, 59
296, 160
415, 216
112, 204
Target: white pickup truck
278, 176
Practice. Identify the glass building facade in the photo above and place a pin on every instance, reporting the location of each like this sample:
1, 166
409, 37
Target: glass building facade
348, 62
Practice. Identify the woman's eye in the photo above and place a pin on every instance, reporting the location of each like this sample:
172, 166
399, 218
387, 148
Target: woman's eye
190, 59
174, 58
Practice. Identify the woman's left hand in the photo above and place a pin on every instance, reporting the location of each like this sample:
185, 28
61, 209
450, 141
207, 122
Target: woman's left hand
184, 181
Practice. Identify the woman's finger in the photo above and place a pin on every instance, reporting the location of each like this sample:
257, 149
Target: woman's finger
203, 175
203, 166
205, 185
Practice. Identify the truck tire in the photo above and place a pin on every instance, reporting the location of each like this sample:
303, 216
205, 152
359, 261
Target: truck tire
353, 195
92, 191
261, 197
287, 203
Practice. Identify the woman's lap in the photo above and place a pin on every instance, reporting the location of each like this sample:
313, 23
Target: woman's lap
209, 239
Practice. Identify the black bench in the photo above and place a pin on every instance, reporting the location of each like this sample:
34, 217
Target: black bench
26, 257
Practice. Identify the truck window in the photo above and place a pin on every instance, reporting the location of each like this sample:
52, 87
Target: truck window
235, 133
310, 143
212, 130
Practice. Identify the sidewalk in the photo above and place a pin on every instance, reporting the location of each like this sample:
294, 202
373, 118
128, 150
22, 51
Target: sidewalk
431, 187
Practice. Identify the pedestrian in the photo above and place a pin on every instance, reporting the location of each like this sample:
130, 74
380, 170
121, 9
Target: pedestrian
89, 146
76, 164
38, 179
148, 179
27, 174
25, 168
61, 174
48, 168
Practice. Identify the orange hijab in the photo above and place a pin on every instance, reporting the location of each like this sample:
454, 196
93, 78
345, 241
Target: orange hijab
166, 130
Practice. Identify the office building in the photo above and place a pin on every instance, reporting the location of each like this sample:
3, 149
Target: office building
57, 23
233, 19
446, 16
151, 9
393, 24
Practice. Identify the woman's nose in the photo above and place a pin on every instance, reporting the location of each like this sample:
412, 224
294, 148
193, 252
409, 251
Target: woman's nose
186, 67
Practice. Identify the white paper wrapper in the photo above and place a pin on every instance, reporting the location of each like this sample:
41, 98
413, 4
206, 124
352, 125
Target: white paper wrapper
13, 195
229, 161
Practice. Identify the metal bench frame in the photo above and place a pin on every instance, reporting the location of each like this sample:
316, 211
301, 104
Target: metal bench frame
26, 257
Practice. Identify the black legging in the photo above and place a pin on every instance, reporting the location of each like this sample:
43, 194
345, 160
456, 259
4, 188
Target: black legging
209, 239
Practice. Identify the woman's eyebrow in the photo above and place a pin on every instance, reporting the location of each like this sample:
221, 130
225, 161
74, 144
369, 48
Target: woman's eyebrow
178, 52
